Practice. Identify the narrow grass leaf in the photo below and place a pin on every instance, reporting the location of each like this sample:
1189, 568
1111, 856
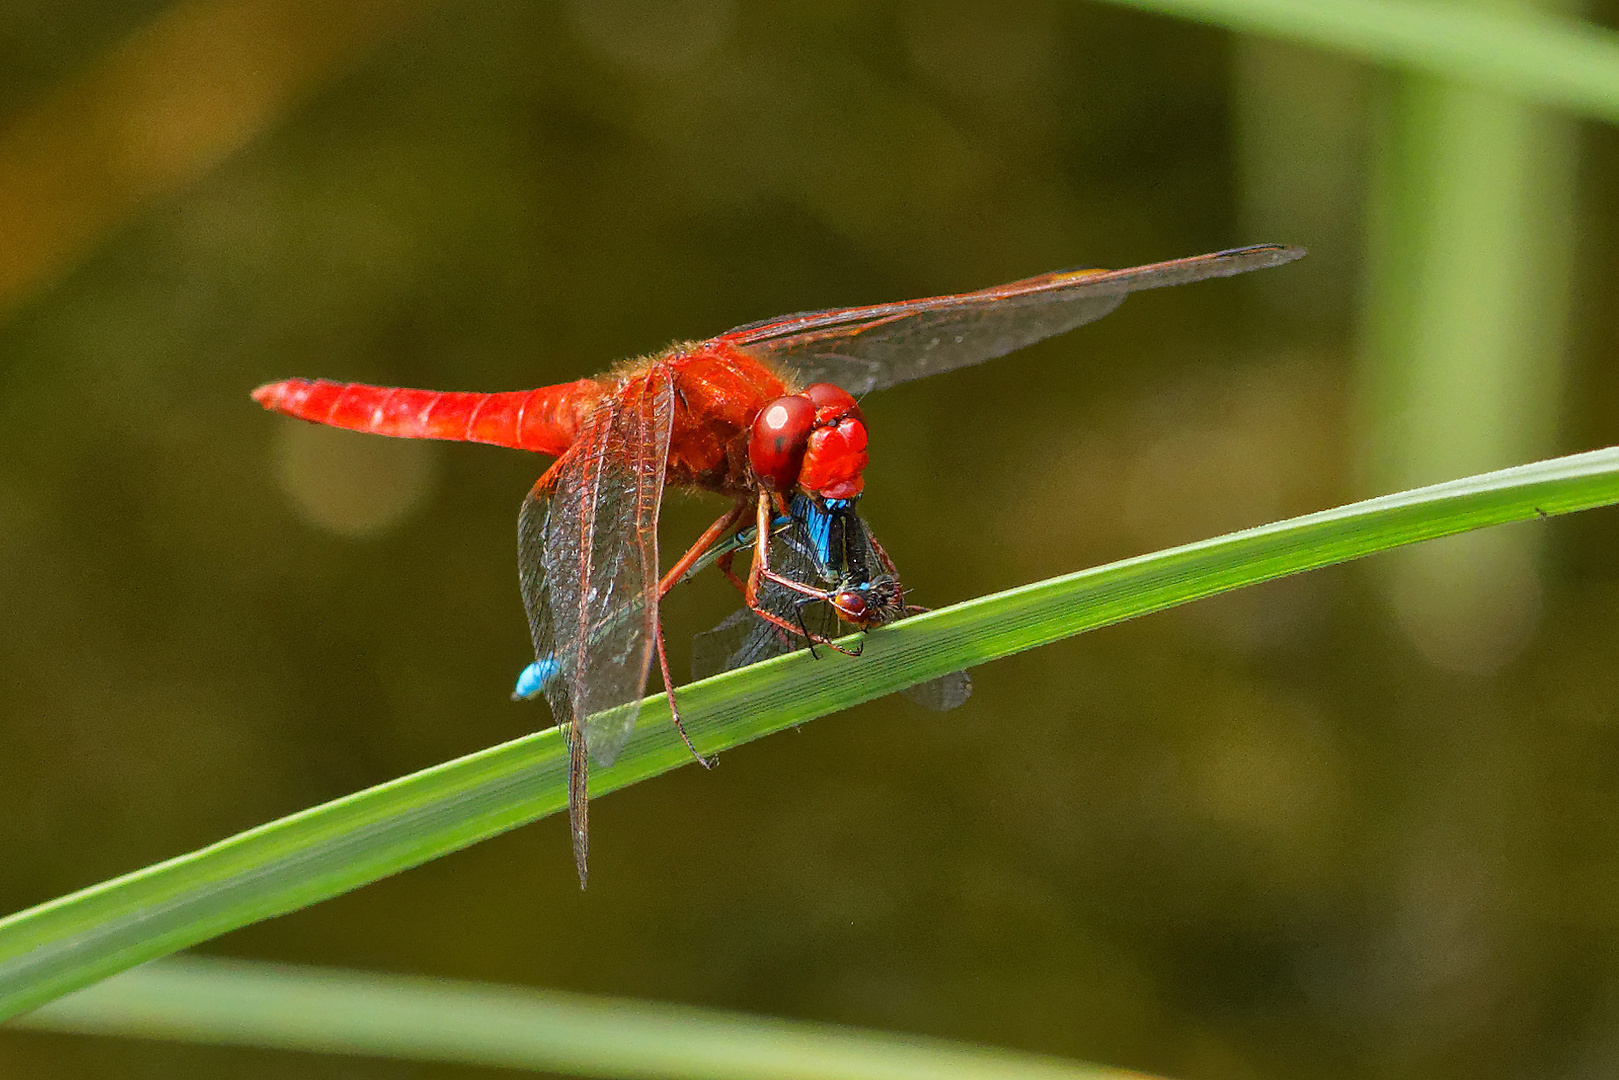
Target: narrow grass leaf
239, 1003
69, 943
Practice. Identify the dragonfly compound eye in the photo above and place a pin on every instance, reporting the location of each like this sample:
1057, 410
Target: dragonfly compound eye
832, 403
780, 436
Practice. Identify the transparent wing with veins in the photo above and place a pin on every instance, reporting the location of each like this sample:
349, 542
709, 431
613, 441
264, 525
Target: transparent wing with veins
588, 566
867, 348
744, 638
588, 559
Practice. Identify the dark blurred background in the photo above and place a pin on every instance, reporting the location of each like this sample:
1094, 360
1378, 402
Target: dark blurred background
1357, 823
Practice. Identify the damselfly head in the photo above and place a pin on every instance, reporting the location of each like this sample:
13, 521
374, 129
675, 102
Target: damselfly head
869, 604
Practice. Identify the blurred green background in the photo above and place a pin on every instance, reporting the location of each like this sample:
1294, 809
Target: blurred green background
1358, 823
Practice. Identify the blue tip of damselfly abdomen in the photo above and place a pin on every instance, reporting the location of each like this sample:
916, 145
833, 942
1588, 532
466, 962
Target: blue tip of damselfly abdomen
534, 678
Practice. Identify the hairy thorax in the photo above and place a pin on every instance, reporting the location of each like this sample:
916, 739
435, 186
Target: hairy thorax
717, 393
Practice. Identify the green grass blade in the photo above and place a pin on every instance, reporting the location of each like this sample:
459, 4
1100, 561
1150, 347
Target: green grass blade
71, 942
1538, 58
238, 1003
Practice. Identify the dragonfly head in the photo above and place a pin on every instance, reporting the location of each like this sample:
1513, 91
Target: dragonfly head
814, 440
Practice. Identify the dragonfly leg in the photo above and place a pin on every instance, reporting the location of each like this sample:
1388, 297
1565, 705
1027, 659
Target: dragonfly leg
702, 544
720, 527
760, 571
724, 564
808, 594
777, 620
761, 555
669, 692
798, 609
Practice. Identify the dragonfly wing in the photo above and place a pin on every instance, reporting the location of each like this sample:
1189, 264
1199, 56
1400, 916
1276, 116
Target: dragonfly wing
711, 651
588, 555
741, 639
744, 638
941, 694
546, 674
867, 348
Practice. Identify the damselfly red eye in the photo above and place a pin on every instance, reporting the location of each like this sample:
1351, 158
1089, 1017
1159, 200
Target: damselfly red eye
852, 607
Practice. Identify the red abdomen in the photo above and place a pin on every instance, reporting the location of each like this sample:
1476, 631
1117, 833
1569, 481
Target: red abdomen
544, 420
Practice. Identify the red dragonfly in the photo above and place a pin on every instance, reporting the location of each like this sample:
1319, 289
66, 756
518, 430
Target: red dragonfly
757, 414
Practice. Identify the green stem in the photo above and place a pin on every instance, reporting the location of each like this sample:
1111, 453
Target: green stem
1535, 57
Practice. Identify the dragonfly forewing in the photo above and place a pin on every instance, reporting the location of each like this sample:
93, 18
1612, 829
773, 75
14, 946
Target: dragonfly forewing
867, 348
588, 567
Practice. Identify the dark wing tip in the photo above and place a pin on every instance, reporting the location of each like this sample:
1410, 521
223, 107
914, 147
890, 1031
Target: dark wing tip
1216, 264
1260, 255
